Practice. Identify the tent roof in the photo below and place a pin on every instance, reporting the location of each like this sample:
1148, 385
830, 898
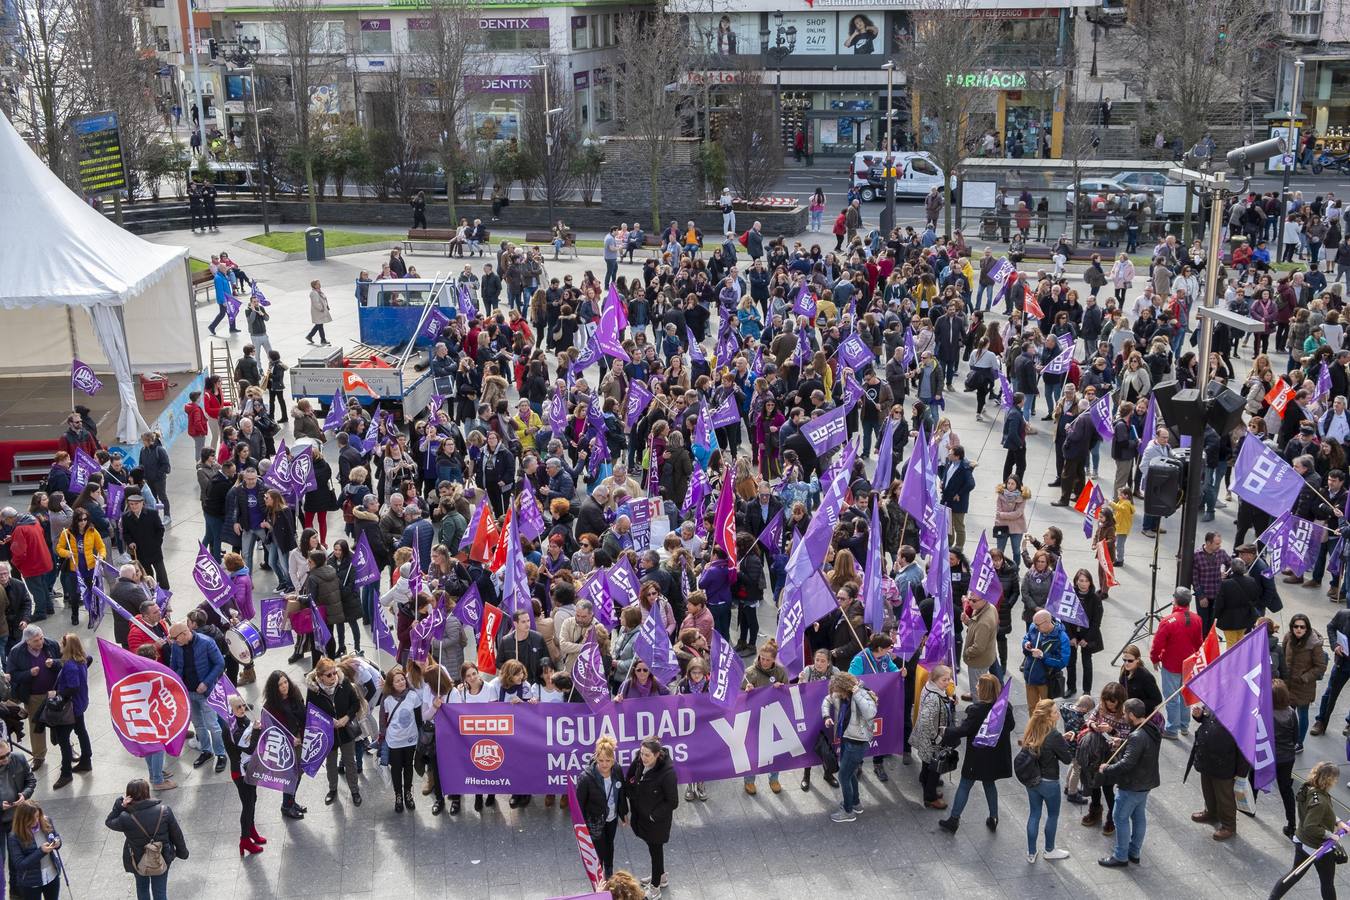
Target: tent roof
58, 250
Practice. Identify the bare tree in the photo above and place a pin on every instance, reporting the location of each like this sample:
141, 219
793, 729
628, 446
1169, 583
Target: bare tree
1081, 138
749, 136
314, 55
945, 46
401, 131
552, 114
49, 75
448, 63
652, 55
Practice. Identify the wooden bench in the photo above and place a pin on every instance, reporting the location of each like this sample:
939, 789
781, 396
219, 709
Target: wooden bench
429, 237
202, 284
546, 237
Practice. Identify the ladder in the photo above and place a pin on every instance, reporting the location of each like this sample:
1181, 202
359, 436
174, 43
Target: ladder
222, 364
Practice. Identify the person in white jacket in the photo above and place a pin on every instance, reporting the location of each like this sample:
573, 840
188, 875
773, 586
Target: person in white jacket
850, 711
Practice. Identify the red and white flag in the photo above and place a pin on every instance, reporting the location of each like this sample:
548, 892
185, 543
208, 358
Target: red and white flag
1108, 565
1279, 397
1196, 663
590, 859
1030, 303
351, 381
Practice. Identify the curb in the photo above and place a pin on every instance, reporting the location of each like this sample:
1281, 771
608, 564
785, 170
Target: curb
279, 256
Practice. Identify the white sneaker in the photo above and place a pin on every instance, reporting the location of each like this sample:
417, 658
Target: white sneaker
1057, 853
1031, 857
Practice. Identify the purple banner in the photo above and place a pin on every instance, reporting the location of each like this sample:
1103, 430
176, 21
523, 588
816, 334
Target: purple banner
501, 748
588, 674
1289, 541
804, 304
1236, 688
116, 496
469, 609
218, 698
82, 468
363, 562
983, 576
210, 577
636, 403
337, 412
828, 431
726, 413
992, 726
530, 515
1063, 602
726, 672
910, 632
853, 352
276, 626
274, 764
1101, 416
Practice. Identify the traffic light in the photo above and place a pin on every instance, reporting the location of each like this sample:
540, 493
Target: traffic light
213, 48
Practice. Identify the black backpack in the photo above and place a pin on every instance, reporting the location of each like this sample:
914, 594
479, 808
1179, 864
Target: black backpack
1027, 767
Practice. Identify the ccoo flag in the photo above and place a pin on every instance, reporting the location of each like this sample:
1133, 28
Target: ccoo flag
1063, 602
1236, 688
874, 610
993, 725
727, 672
984, 581
1263, 479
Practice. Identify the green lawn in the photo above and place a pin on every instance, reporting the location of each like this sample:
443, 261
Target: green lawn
197, 265
294, 241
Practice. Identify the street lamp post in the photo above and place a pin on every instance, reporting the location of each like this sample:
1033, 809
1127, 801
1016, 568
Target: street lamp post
548, 142
888, 218
784, 42
1292, 140
243, 55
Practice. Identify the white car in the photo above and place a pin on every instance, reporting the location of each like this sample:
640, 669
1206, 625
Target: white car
1143, 181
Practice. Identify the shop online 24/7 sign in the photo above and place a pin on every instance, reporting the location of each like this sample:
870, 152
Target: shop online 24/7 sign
999, 81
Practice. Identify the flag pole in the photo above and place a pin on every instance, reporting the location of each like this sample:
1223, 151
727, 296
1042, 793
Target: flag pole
1157, 709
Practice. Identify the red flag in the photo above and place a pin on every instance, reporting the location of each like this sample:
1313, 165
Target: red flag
724, 521
1196, 663
1107, 565
485, 538
487, 639
1279, 396
498, 558
351, 381
1084, 498
1030, 303
590, 860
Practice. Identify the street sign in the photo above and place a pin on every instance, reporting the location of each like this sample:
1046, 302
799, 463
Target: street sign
100, 154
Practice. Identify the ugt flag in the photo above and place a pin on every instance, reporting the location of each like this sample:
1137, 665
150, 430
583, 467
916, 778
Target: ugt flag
363, 562
82, 378
992, 727
1236, 688
148, 702
275, 764
210, 578
318, 740
588, 673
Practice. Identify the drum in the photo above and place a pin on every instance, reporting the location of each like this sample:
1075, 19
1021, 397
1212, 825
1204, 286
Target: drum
245, 641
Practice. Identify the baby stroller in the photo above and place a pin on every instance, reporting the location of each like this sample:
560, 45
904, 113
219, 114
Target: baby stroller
989, 226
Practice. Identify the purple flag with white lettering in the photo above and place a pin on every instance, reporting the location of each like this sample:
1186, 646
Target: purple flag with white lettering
1236, 688
1065, 341
1063, 602
801, 355
588, 674
697, 491
276, 626
1100, 411
82, 467
992, 726
983, 576
696, 353
432, 326
595, 591
384, 638
940, 648
874, 609
827, 431
607, 331
258, 295
218, 698
910, 632
726, 672
469, 609
530, 515
322, 633
337, 411
302, 473
1323, 382
999, 273
916, 493
757, 362
1289, 542
1060, 364
854, 352
363, 562
82, 378
804, 303
726, 413
853, 391
1150, 426
911, 354
515, 587
703, 436
210, 578
116, 496
772, 535
557, 413
885, 470
652, 646
804, 603
274, 764
622, 582
1263, 479
317, 740
636, 403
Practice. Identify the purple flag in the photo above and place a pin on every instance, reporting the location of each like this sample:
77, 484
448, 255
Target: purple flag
703, 436
621, 582
827, 431
588, 674
726, 413
1150, 426
232, 305
607, 331
772, 535
515, 588
804, 303
210, 578
82, 378
82, 468
116, 496
911, 631
147, 701
853, 391
1007, 398
557, 413
940, 648
1100, 411
1263, 479
337, 411
1063, 602
363, 562
1336, 561
885, 470
1094, 505
464, 300
916, 494
1060, 364
1340, 832
596, 591
696, 353
530, 515
727, 343
302, 473
218, 698
469, 609
589, 356
992, 726
317, 741
1289, 541
474, 521
1065, 341
1236, 688
803, 604
983, 576
911, 354
278, 475
802, 354
636, 403
384, 638
726, 672
322, 633
274, 765
697, 491
854, 352
259, 296
276, 627
431, 327
757, 362
652, 646
1323, 382
874, 610
999, 273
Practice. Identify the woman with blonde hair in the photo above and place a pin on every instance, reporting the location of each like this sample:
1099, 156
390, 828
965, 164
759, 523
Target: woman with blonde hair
845, 570
72, 684
603, 802
1043, 741
400, 726
331, 693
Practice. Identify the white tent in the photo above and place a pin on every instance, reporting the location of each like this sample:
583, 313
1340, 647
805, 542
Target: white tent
73, 284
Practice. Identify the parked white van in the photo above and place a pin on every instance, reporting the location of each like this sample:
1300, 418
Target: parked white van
916, 174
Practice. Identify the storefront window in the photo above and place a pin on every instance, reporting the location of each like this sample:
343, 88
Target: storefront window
376, 36
581, 103
581, 36
849, 127
1029, 121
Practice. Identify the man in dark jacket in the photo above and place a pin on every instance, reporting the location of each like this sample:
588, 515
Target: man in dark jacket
1234, 610
18, 605
1134, 773
755, 515
213, 506
957, 478
490, 287
1215, 756
154, 462
198, 661
591, 515
1015, 439
33, 666
524, 644
950, 335
1078, 440
144, 533
348, 458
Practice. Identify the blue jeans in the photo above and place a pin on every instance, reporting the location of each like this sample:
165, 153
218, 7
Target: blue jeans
721, 614
206, 721
872, 427
611, 270
1151, 523
980, 294
154, 765
1210, 492
1131, 820
1003, 540
1176, 707
279, 568
1340, 673
250, 538
1053, 391
1302, 722
851, 755
1045, 794
41, 591
214, 526
152, 887
963, 794
1031, 405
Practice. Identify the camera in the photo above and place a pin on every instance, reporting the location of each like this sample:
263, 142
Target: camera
1240, 159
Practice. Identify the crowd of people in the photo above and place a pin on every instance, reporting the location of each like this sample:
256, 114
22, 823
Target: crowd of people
620, 460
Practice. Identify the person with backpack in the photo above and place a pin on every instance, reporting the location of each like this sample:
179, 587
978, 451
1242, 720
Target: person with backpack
153, 839
1046, 653
850, 712
1036, 766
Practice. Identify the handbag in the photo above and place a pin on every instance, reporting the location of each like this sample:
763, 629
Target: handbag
946, 760
824, 747
1054, 682
57, 711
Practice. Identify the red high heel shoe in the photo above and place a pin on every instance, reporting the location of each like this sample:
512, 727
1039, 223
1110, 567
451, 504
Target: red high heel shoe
257, 838
246, 846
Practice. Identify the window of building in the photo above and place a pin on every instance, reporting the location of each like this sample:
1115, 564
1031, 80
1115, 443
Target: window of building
602, 31
330, 37
421, 35
377, 36
603, 95
581, 35
516, 39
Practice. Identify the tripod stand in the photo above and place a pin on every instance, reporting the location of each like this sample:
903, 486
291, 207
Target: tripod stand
1145, 625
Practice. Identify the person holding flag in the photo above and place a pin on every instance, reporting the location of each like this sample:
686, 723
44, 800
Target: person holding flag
1179, 636
1317, 828
850, 712
330, 693
984, 761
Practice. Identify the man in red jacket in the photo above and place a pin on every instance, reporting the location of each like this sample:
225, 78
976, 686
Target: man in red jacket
196, 423
32, 558
1179, 635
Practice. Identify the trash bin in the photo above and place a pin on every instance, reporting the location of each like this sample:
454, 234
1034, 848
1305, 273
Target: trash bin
314, 244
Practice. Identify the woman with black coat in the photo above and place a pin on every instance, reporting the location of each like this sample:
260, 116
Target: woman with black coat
322, 500
1084, 640
240, 734
1006, 570
143, 820
1138, 680
282, 700
603, 801
653, 795
986, 765
343, 564
330, 692
497, 472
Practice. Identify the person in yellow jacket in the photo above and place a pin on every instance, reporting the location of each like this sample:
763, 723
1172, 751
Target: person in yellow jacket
79, 547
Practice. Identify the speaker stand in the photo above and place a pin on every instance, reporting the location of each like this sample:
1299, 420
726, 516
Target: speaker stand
1145, 625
